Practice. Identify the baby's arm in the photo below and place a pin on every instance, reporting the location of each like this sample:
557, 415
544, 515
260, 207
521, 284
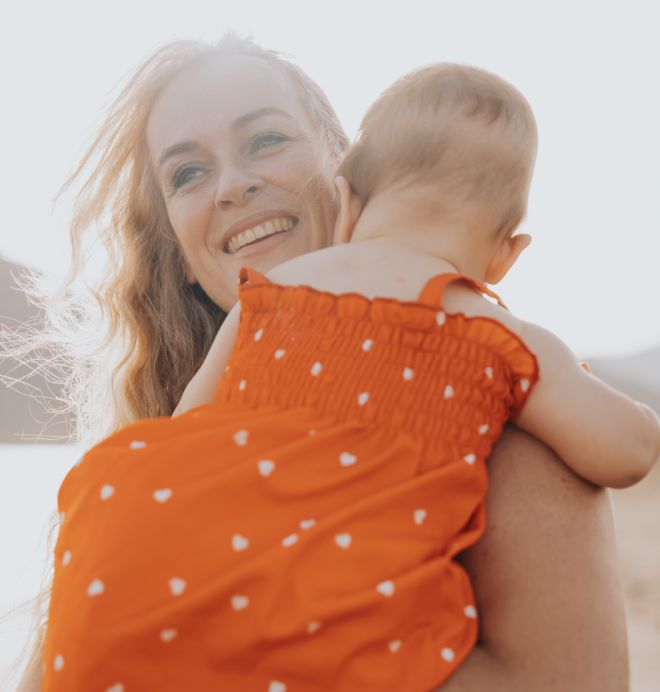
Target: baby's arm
602, 434
204, 383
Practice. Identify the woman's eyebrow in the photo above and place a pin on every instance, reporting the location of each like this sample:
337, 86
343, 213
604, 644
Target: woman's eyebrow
178, 148
242, 121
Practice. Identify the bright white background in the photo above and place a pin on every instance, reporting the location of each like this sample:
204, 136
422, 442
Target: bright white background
591, 70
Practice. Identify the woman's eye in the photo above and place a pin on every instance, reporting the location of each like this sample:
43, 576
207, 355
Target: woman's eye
266, 139
184, 175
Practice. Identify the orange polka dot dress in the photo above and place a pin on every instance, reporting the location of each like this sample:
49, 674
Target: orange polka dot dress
298, 534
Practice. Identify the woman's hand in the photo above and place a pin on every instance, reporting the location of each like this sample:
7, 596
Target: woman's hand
546, 581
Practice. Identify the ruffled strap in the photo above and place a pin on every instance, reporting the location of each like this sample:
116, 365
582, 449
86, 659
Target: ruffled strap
250, 276
519, 366
434, 289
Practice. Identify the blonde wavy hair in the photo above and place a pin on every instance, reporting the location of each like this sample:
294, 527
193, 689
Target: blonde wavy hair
125, 347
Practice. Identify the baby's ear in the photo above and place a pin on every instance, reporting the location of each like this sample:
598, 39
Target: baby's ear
350, 208
505, 256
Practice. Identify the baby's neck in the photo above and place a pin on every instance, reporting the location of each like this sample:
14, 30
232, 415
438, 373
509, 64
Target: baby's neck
446, 239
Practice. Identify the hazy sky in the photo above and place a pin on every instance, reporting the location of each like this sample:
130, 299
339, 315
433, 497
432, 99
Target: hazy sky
591, 70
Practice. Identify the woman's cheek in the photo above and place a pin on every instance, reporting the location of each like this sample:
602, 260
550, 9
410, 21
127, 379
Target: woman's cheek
295, 171
190, 216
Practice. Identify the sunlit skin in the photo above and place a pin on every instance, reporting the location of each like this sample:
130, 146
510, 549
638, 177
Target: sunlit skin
244, 151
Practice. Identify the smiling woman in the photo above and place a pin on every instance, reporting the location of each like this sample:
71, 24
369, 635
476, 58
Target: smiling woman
207, 148
229, 159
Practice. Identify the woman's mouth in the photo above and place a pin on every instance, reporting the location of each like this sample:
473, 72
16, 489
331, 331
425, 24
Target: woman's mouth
266, 229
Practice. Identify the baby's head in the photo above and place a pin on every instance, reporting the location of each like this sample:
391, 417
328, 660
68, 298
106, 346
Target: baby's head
459, 141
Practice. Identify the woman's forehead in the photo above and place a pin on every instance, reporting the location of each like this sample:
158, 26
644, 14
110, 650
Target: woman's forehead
215, 93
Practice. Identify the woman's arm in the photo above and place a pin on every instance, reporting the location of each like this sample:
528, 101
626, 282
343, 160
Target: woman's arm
204, 383
546, 581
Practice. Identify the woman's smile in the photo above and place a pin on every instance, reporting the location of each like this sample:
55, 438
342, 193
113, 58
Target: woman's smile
255, 229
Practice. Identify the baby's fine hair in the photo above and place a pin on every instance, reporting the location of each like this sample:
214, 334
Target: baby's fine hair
467, 132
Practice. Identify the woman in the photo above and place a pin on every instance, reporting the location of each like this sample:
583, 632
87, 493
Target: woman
216, 157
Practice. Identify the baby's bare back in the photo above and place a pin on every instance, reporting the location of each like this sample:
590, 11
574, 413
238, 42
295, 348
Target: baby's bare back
383, 270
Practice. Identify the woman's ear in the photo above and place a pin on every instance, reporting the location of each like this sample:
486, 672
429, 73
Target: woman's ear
506, 254
350, 208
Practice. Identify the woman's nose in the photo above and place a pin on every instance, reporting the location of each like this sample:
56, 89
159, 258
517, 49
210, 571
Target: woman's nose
236, 188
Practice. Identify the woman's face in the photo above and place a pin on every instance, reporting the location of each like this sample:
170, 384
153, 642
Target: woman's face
245, 176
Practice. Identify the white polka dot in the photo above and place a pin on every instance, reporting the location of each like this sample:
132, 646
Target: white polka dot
117, 687
524, 385
307, 524
276, 686
96, 588
408, 374
58, 663
449, 392
311, 431
363, 397
394, 645
177, 586
242, 385
137, 444
241, 438
239, 542
258, 334
107, 491
448, 654
168, 635
347, 459
489, 372
313, 626
266, 467
290, 540
470, 458
386, 588
162, 494
279, 353
316, 369
239, 602
470, 611
343, 540
226, 368
483, 429
66, 557
419, 515
440, 318
367, 344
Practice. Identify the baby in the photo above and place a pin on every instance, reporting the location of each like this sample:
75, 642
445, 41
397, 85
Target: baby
294, 525
438, 180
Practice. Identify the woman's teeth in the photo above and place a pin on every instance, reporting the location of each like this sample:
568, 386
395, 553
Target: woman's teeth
263, 230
